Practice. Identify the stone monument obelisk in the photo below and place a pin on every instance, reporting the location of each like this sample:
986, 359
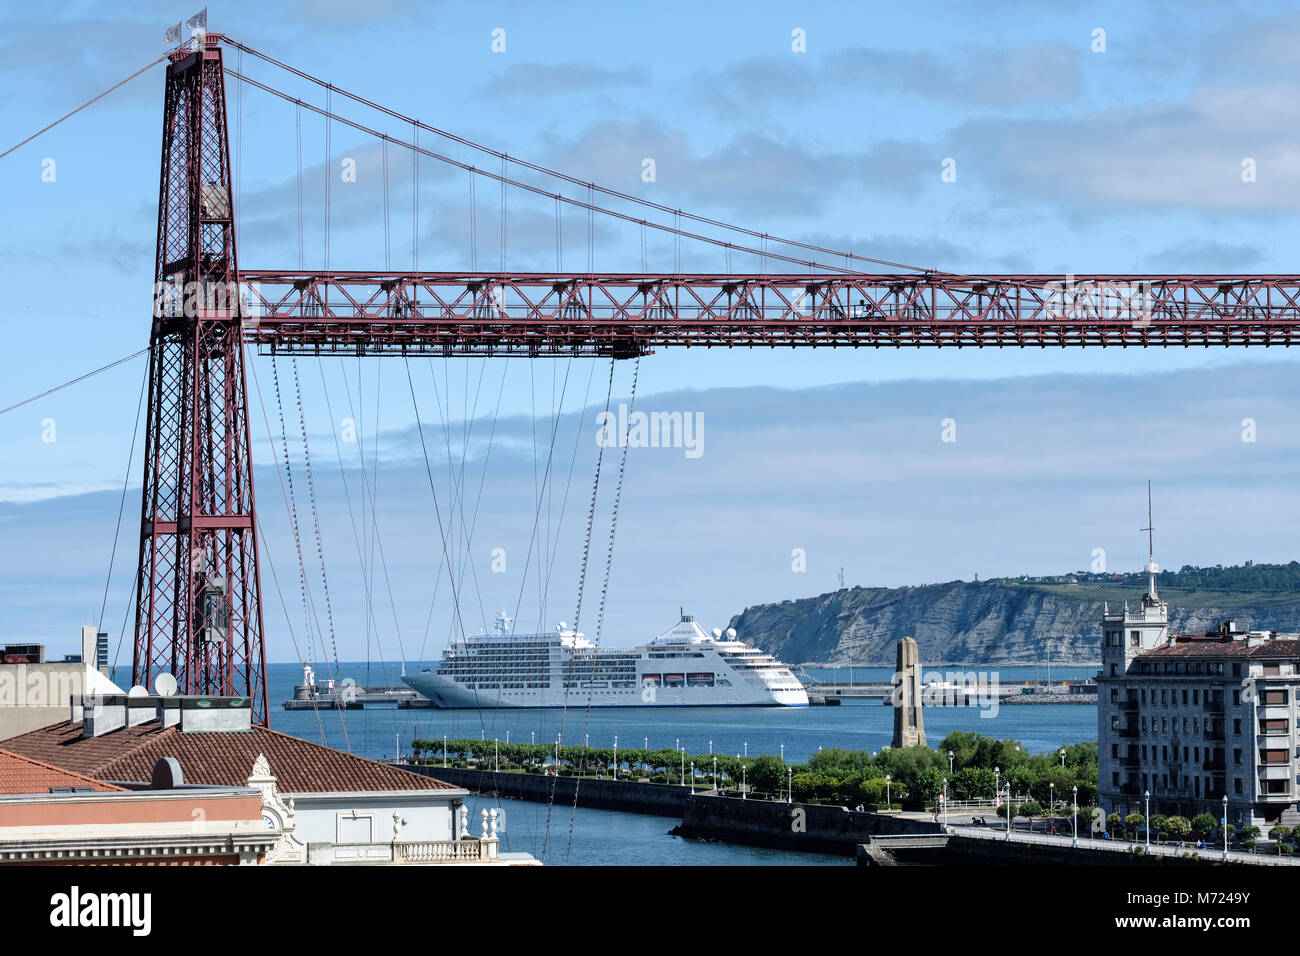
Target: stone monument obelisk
909, 725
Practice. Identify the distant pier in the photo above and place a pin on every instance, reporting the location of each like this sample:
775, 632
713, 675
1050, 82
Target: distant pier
948, 694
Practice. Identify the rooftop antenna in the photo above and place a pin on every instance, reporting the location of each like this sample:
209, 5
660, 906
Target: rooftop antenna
1151, 548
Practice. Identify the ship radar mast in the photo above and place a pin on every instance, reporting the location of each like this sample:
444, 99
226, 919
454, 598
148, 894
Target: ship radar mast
1152, 568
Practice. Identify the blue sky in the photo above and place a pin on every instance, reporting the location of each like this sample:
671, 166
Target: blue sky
1068, 160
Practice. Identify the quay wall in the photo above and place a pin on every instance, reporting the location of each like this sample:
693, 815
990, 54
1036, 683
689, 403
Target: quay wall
812, 828
653, 798
959, 851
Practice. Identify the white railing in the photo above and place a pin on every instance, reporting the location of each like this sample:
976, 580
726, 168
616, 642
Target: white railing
443, 851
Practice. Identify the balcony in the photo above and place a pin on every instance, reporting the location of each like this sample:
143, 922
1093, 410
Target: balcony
1127, 732
1213, 763
1213, 733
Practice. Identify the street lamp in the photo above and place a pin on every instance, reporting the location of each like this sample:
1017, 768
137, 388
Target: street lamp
783, 753
747, 748
397, 745
692, 778
715, 773
1223, 825
1062, 756
789, 785
1076, 817
496, 754
616, 756
887, 800
945, 803
744, 783
1147, 797
444, 750
950, 756
997, 785
1007, 803
1051, 797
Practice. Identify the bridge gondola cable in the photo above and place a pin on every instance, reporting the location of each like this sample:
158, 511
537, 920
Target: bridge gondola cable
604, 594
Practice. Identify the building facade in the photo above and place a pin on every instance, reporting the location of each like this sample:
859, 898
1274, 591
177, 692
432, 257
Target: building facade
1185, 721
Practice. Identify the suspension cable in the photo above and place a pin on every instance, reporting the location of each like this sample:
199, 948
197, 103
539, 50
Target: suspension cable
568, 200
572, 180
88, 102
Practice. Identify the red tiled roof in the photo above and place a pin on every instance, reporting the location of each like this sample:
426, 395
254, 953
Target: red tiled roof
1267, 650
215, 758
19, 774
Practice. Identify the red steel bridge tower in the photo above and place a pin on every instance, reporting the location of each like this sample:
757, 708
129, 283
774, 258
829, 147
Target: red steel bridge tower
199, 611
199, 614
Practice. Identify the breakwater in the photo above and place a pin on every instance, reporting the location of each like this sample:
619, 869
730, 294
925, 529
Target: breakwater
601, 794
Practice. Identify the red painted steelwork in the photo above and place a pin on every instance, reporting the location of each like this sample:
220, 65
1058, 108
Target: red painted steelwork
199, 610
551, 314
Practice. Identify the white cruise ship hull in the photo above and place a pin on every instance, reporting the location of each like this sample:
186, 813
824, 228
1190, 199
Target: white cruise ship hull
450, 694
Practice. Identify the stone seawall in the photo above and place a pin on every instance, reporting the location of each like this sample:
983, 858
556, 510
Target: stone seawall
654, 798
810, 828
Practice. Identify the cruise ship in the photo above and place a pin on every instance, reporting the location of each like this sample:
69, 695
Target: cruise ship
683, 667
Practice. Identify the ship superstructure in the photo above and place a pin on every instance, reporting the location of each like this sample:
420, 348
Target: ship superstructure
683, 667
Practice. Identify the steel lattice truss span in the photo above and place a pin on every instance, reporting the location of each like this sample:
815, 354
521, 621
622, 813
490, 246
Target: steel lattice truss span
623, 315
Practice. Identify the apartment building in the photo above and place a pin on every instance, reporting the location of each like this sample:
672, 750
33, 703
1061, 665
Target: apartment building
1184, 721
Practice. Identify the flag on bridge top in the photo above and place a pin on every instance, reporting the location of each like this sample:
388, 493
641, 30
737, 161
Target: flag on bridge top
173, 34
198, 23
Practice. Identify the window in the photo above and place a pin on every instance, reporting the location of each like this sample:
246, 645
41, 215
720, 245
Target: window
1274, 726
1114, 721
1135, 638
1273, 787
1114, 695
1272, 670
1164, 696
1114, 750
1236, 758
1196, 697
1236, 697
1236, 727
1273, 756
1236, 785
1272, 698
1184, 696
1236, 669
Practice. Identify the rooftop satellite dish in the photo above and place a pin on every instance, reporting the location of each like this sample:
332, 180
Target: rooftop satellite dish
717, 632
138, 691
165, 684
563, 626
731, 633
